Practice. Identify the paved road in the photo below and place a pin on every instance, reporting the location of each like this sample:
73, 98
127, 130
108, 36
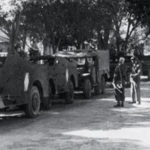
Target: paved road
86, 125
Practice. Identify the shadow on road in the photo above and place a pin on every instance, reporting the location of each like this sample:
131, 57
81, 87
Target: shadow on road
85, 124
96, 113
95, 118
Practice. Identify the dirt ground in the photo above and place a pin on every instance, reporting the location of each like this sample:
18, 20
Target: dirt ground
85, 125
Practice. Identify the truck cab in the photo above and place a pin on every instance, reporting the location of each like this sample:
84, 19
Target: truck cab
92, 69
32, 84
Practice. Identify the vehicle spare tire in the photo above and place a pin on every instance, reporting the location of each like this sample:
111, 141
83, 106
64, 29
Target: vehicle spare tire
87, 88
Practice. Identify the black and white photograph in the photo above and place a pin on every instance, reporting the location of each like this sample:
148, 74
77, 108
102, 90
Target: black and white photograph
75, 74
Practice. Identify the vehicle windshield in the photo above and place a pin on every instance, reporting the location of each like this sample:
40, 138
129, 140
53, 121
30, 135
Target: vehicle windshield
90, 61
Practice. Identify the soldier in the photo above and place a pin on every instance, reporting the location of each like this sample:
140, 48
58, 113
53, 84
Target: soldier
135, 80
119, 82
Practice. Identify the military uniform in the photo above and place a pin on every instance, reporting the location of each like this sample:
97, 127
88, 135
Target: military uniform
119, 84
135, 81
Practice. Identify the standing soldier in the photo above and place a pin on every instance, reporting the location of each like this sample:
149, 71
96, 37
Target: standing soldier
119, 82
135, 80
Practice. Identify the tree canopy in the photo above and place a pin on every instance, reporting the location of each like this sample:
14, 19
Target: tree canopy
141, 11
61, 23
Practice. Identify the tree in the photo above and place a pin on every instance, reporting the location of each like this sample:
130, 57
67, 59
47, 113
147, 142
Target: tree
141, 11
10, 16
124, 24
58, 23
102, 22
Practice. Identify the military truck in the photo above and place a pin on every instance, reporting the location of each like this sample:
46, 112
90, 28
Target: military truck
29, 85
92, 68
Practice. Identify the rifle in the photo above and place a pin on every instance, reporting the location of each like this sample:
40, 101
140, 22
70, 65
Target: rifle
117, 87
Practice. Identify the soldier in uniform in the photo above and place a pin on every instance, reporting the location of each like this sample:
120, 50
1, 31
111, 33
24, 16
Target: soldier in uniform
119, 82
135, 80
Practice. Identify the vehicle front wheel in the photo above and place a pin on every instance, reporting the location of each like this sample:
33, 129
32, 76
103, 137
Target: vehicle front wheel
32, 109
87, 88
69, 95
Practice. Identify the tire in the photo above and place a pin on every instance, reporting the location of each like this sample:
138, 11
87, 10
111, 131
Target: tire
103, 84
69, 96
47, 103
87, 89
32, 109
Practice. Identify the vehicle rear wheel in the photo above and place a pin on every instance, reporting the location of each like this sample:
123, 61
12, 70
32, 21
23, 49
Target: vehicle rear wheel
87, 88
69, 96
32, 109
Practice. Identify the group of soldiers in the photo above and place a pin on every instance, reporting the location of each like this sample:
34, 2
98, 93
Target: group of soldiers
119, 80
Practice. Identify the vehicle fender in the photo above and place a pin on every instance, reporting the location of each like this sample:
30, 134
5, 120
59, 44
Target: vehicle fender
42, 86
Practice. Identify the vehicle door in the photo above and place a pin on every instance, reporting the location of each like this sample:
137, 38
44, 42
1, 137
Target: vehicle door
92, 69
60, 73
12, 76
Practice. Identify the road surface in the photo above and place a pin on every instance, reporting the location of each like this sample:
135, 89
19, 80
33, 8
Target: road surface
85, 125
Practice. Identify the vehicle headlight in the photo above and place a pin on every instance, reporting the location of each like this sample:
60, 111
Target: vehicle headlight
26, 81
85, 74
89, 70
67, 75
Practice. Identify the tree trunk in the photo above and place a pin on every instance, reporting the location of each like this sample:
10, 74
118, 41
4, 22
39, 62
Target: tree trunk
58, 46
118, 44
14, 33
100, 41
24, 38
12, 40
106, 38
127, 35
48, 50
118, 38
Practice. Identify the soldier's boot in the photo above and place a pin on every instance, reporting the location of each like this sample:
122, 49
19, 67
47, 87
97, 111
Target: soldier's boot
139, 102
122, 104
118, 104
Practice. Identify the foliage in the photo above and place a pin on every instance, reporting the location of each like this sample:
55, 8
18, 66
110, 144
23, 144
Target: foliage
102, 22
10, 16
59, 23
141, 10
